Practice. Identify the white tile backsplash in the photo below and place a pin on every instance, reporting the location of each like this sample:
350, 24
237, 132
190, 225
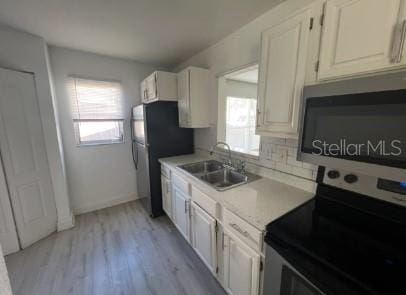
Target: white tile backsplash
280, 154
283, 157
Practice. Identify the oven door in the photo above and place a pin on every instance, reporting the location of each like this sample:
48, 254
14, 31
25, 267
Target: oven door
281, 278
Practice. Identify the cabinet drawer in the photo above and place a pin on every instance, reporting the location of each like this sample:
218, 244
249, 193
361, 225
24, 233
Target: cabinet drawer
165, 171
246, 232
181, 183
204, 201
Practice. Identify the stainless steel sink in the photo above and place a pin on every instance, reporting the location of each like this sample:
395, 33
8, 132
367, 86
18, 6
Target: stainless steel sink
217, 175
203, 167
224, 178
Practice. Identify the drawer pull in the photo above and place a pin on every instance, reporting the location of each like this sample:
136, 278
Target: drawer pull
243, 232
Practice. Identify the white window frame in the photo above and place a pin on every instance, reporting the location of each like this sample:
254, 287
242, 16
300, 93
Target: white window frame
222, 108
80, 143
76, 123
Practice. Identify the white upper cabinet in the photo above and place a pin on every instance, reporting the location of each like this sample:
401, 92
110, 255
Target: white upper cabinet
193, 98
361, 36
159, 86
282, 74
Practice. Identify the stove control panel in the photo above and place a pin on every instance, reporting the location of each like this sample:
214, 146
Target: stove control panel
387, 190
333, 174
351, 178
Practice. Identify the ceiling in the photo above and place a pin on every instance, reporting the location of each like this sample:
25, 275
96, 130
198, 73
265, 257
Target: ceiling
162, 32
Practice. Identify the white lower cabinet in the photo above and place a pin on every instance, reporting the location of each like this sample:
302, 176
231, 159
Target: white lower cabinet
166, 196
241, 267
204, 236
228, 246
181, 218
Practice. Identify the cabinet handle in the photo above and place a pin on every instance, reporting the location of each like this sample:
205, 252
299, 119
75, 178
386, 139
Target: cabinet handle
399, 55
241, 231
258, 118
185, 206
156, 85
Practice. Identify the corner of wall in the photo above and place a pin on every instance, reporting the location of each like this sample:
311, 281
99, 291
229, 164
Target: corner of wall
65, 214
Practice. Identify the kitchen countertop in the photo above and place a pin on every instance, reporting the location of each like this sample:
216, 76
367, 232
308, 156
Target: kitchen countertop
258, 202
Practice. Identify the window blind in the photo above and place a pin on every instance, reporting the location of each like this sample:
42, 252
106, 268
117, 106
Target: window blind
95, 100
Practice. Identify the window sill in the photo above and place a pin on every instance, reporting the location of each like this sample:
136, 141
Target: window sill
94, 144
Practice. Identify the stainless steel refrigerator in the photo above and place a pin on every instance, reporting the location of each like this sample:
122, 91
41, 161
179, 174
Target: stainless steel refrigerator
156, 134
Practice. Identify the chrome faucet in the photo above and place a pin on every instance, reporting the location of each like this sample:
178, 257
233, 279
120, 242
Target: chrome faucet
226, 145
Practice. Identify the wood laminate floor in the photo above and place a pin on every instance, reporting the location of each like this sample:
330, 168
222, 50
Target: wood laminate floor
119, 250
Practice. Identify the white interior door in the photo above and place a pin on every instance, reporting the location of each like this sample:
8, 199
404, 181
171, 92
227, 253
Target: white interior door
24, 157
8, 233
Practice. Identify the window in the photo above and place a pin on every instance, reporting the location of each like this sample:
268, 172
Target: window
240, 125
97, 111
238, 110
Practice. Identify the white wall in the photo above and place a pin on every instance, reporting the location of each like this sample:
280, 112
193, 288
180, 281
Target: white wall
233, 52
241, 89
25, 52
98, 176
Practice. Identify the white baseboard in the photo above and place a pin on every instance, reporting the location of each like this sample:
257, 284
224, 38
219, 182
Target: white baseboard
103, 204
66, 222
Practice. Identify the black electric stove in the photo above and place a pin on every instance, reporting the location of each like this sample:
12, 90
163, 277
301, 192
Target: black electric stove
345, 243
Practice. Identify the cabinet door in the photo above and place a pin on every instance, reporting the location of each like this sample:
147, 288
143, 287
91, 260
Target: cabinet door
183, 97
152, 91
282, 76
166, 196
181, 212
241, 267
144, 97
204, 236
358, 36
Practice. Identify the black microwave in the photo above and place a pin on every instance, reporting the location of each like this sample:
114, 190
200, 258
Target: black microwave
358, 125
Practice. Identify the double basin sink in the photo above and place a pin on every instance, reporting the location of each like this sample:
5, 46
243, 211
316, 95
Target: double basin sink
217, 175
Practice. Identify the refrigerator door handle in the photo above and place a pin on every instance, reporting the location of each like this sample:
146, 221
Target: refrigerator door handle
135, 154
